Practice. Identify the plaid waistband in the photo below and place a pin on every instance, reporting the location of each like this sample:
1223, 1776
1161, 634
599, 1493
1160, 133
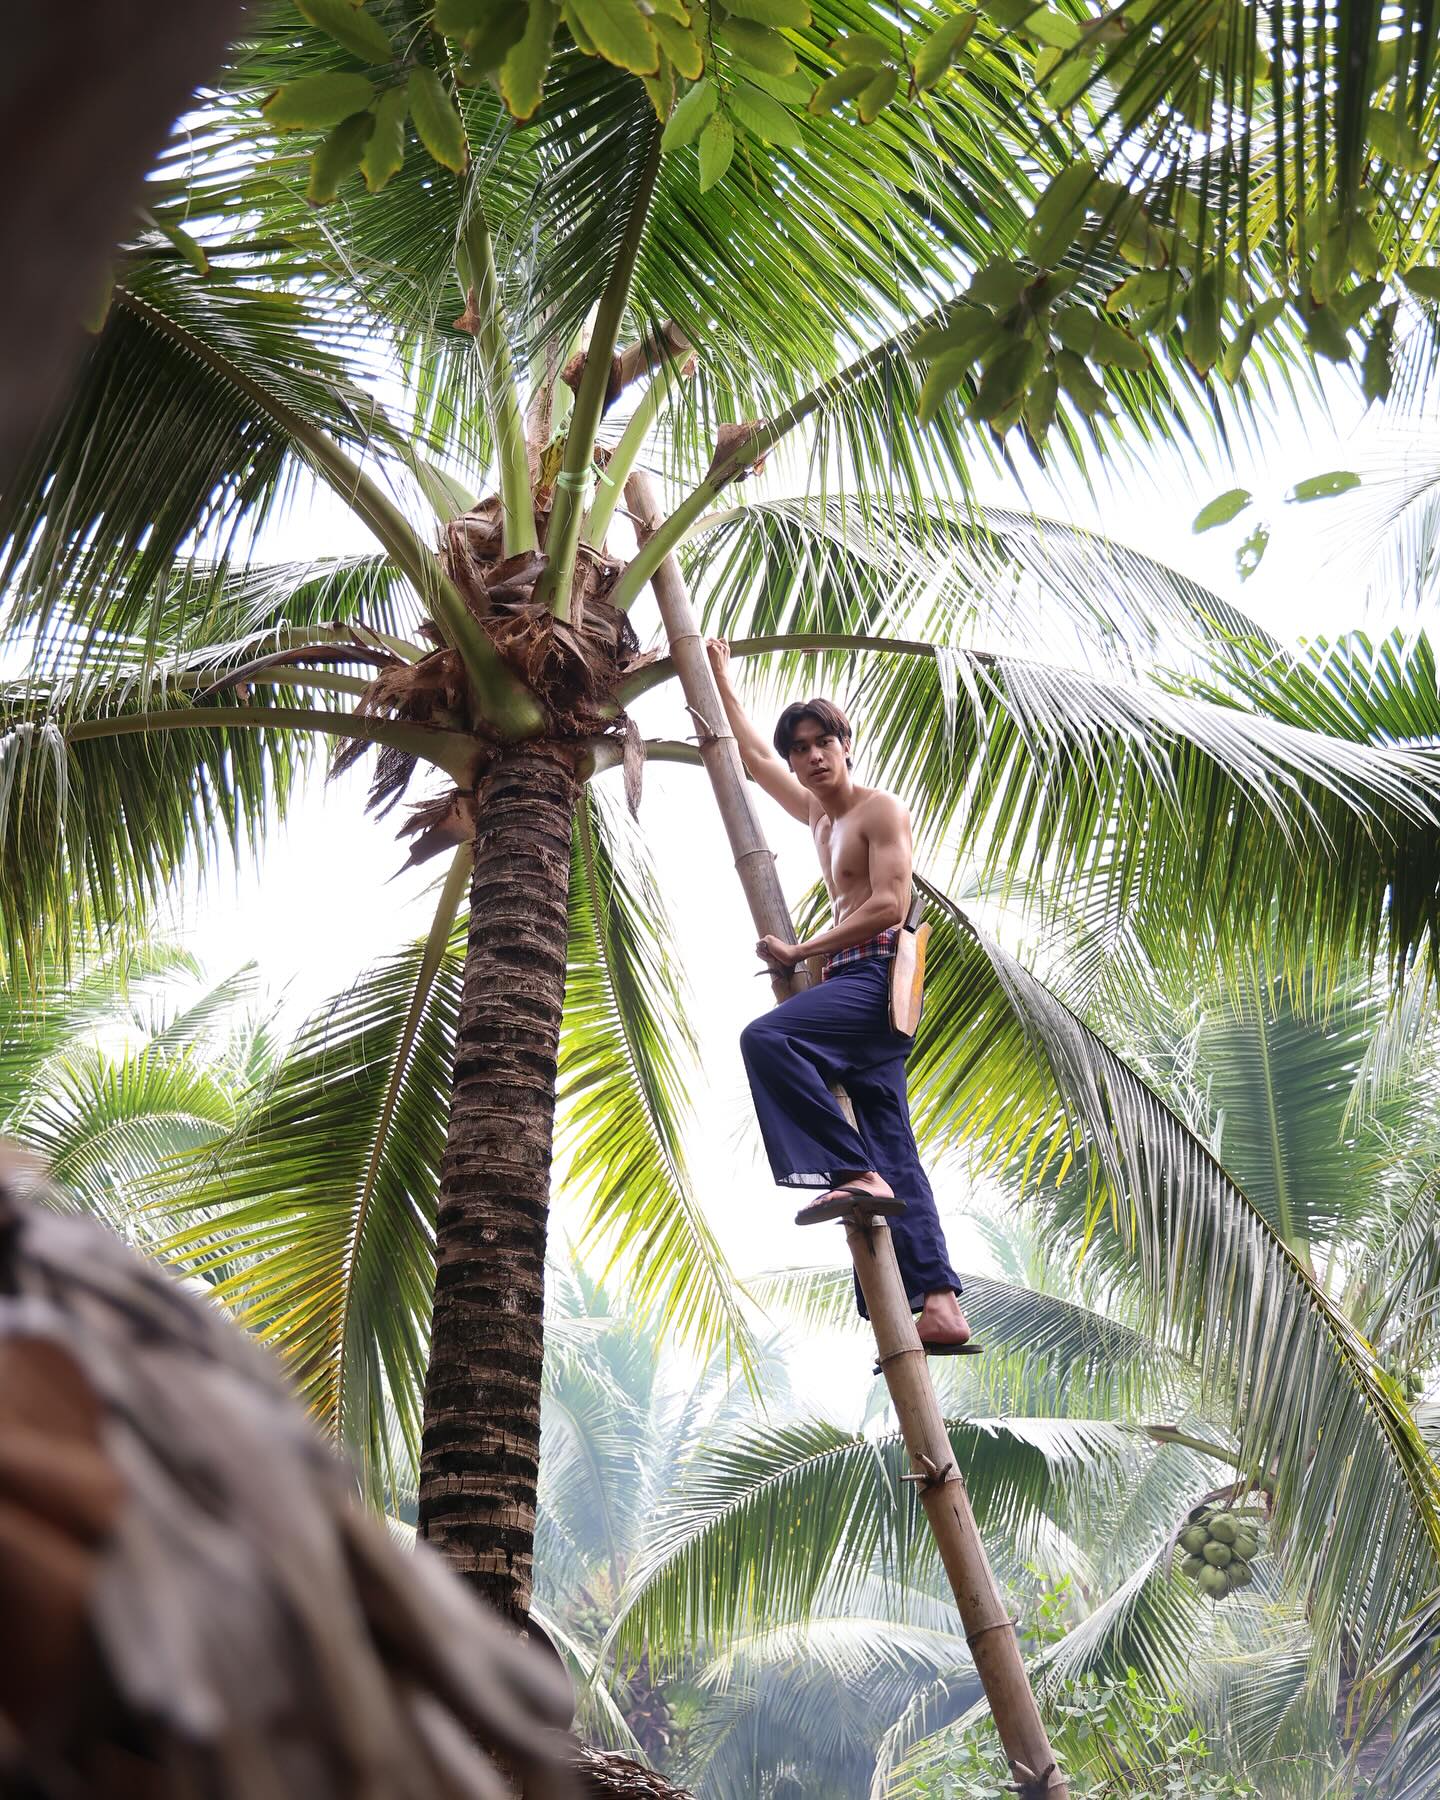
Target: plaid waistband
879, 948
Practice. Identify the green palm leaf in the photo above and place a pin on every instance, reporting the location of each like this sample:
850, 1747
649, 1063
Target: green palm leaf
315, 1216
1316, 1419
122, 758
765, 1522
49, 1008
813, 1697
196, 1026
1372, 695
1086, 1362
621, 1091
990, 577
1412, 1687
98, 819
256, 606
179, 427
1203, 814
1278, 1075
105, 1124
592, 1457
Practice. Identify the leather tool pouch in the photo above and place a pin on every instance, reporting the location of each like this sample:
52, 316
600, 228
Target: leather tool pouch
907, 971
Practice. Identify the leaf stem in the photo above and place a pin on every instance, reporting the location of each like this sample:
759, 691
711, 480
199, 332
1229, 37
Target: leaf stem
562, 539
1169, 1434
617, 471
453, 751
475, 262
664, 668
453, 894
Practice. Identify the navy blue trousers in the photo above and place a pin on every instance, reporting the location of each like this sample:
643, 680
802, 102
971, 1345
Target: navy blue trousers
839, 1032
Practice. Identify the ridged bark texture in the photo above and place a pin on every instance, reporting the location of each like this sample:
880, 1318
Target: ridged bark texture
480, 1451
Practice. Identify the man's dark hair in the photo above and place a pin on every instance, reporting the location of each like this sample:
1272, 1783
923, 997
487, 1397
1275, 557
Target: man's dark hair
825, 714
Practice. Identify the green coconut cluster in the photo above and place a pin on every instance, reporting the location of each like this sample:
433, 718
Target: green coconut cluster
1219, 1548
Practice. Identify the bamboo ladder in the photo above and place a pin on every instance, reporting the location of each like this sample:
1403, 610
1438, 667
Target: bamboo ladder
989, 1629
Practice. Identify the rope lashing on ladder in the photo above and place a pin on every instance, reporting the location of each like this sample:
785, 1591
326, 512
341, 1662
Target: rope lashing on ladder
999, 1625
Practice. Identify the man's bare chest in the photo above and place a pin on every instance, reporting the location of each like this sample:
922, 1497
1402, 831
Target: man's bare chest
843, 852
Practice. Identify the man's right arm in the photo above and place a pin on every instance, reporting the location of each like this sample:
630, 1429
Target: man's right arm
759, 758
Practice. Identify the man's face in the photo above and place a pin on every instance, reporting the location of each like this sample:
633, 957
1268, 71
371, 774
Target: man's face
817, 756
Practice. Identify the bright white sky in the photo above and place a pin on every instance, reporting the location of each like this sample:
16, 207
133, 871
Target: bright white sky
326, 897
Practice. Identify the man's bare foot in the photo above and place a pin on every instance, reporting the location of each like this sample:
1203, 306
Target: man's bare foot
941, 1321
870, 1181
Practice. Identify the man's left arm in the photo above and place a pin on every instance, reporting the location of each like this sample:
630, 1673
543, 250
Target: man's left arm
891, 861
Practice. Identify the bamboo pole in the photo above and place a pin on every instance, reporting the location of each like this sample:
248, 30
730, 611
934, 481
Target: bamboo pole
989, 1629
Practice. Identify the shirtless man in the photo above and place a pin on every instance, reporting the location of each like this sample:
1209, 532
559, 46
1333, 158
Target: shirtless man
839, 1031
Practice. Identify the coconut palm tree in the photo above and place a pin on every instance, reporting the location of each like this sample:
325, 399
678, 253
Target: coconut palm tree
177, 688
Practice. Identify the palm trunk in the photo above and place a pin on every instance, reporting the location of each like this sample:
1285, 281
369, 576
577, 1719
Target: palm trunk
481, 1446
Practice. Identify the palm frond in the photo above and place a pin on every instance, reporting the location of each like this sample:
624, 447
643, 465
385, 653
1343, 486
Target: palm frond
314, 1218
98, 819
1402, 1279
1097, 1365
196, 1024
1378, 696
624, 1041
105, 1125
765, 1522
1124, 789
1410, 1684
594, 1445
1200, 816
218, 615
1266, 119
990, 577
813, 1697
52, 1005
160, 449
1318, 1423
1277, 1075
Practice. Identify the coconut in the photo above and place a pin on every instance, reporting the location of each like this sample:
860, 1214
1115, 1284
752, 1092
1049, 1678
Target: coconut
1240, 1573
1224, 1528
1192, 1566
1217, 1555
1194, 1538
1215, 1582
1247, 1543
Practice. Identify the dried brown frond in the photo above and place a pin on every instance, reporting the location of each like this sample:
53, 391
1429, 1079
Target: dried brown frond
439, 824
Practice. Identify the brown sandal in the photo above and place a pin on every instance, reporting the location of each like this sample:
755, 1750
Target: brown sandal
841, 1202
